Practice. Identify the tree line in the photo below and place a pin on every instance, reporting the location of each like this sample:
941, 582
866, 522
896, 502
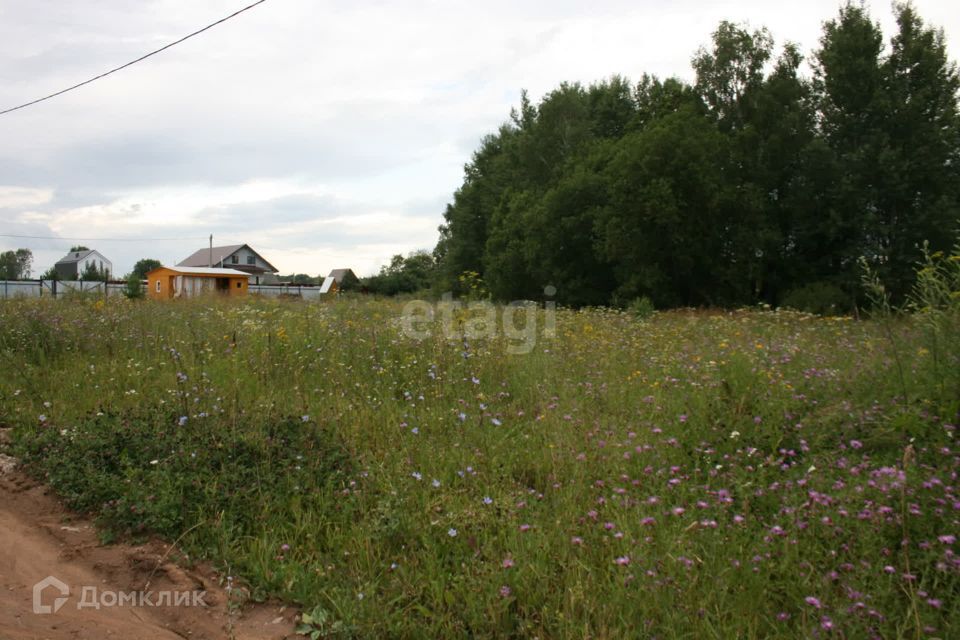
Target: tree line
755, 184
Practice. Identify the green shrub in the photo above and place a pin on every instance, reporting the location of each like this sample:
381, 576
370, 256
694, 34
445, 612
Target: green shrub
642, 308
134, 288
821, 298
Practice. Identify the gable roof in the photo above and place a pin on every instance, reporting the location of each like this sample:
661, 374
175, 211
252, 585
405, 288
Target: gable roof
340, 274
77, 256
201, 257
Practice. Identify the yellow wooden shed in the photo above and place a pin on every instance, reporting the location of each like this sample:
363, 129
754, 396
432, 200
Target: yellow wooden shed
165, 283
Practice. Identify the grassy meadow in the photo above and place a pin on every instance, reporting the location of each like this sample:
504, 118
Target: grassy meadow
748, 473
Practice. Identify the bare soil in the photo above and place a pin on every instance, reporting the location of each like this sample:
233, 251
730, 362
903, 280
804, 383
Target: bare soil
40, 538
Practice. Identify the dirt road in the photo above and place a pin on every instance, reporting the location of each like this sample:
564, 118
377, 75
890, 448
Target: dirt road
39, 538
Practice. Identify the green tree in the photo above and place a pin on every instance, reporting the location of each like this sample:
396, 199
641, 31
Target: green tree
92, 272
144, 266
15, 265
659, 229
415, 272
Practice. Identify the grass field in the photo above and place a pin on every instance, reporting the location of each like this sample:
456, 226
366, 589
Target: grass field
701, 475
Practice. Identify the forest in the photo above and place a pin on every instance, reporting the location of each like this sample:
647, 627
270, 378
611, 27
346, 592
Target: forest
774, 178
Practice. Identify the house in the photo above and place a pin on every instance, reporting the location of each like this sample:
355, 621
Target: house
235, 256
329, 285
73, 265
346, 279
164, 283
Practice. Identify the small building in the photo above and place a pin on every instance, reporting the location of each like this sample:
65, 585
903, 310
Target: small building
329, 285
346, 279
235, 256
73, 265
165, 283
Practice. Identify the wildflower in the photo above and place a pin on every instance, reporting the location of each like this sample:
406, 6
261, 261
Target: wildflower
889, 569
826, 623
305, 418
813, 602
856, 444
576, 540
623, 561
935, 603
182, 421
507, 562
524, 528
415, 431
42, 418
435, 483
495, 422
284, 547
947, 539
452, 532
487, 500
505, 591
417, 475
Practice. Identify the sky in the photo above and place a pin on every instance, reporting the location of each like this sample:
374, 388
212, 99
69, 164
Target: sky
323, 134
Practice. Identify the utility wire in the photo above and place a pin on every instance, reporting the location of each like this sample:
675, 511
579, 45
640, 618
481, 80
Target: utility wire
132, 62
8, 235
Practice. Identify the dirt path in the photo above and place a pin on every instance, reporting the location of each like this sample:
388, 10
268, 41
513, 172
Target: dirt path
39, 538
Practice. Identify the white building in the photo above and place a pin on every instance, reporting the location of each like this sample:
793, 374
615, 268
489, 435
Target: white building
73, 265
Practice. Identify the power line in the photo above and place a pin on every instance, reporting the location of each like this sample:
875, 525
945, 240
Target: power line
132, 62
9, 235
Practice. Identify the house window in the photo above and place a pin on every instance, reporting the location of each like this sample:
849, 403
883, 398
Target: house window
251, 260
158, 286
234, 259
239, 285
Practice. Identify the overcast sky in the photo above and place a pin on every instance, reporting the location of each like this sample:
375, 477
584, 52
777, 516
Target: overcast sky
323, 134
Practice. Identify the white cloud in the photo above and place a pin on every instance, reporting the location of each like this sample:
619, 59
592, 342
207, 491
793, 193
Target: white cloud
19, 197
322, 133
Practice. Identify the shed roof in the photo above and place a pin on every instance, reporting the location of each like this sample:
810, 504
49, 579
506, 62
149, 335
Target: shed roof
203, 271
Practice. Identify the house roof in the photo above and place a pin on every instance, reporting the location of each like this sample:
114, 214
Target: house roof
76, 256
202, 271
201, 257
340, 274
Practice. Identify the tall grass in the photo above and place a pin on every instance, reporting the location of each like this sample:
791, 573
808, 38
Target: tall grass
729, 474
